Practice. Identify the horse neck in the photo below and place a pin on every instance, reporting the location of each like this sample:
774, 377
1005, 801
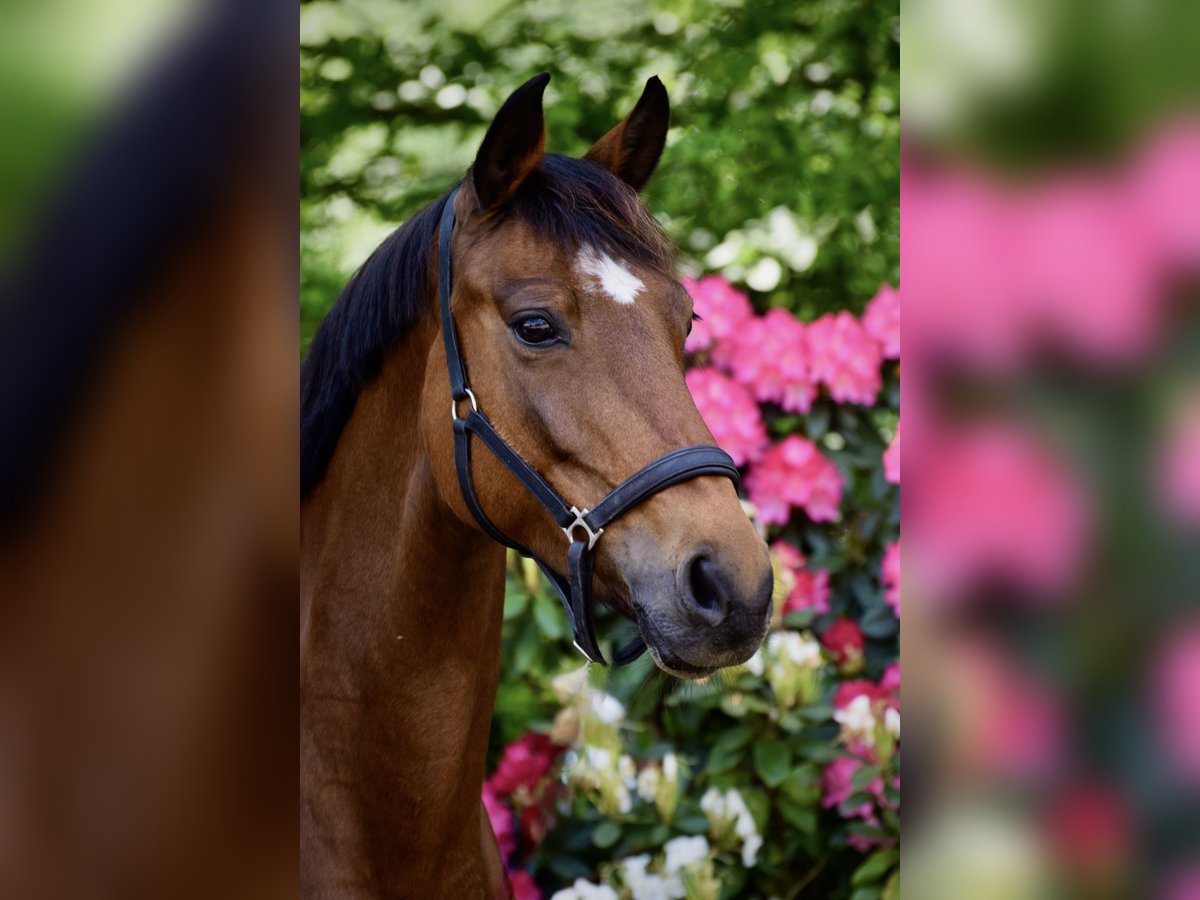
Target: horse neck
400, 641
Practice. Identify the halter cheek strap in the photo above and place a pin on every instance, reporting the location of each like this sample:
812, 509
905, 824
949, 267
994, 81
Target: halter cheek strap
582, 527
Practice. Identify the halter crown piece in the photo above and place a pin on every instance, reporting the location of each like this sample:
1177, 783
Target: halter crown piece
582, 527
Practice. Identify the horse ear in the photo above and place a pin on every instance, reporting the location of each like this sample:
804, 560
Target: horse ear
513, 145
631, 150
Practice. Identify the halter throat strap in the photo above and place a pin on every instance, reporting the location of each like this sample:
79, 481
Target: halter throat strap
581, 526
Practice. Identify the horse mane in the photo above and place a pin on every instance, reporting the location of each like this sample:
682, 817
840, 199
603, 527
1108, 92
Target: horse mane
570, 202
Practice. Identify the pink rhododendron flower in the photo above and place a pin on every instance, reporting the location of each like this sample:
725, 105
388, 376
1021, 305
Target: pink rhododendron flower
771, 357
806, 589
1088, 278
835, 785
844, 639
794, 473
989, 500
891, 459
730, 414
501, 818
722, 309
844, 358
836, 788
524, 763
881, 320
523, 886
1164, 195
1176, 701
890, 681
849, 691
1005, 723
891, 576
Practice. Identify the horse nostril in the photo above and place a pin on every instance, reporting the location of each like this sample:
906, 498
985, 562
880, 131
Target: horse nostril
702, 594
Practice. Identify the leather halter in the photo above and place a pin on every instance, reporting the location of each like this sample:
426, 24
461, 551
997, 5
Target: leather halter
582, 527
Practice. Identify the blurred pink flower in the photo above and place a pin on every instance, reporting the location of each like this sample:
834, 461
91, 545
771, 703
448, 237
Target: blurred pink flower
722, 309
1182, 884
809, 589
1091, 831
524, 763
836, 788
881, 320
1176, 701
794, 473
502, 822
890, 574
730, 414
523, 886
835, 785
1087, 280
844, 358
1003, 722
770, 356
990, 501
891, 459
849, 691
1164, 195
1178, 469
844, 639
890, 681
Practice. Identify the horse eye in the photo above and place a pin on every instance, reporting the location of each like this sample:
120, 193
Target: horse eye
535, 330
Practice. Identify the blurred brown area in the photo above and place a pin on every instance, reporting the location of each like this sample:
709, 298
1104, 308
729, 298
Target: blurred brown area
148, 474
1051, 271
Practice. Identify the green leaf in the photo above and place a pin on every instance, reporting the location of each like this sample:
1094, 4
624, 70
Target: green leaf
866, 893
804, 820
875, 867
891, 890
515, 603
772, 761
879, 622
549, 617
863, 777
606, 834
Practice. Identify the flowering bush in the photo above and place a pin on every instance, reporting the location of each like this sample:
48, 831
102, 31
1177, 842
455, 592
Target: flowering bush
783, 774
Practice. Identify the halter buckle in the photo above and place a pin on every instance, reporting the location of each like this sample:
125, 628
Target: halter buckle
579, 522
454, 405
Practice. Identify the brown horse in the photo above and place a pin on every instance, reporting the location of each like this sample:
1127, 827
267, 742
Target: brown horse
572, 325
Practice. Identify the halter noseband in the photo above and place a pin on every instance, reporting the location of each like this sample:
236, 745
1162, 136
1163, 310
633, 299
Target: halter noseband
583, 527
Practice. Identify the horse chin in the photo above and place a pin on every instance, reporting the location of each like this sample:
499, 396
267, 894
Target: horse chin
664, 657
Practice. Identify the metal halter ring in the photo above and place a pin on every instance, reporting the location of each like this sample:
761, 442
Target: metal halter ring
579, 522
454, 405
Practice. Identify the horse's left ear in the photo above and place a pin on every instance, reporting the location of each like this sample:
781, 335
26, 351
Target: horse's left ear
631, 150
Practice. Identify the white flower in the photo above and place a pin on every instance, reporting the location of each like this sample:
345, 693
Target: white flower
754, 665
891, 721
750, 850
647, 783
793, 646
683, 852
608, 709
670, 767
585, 890
858, 720
570, 684
625, 768
598, 759
731, 809
644, 885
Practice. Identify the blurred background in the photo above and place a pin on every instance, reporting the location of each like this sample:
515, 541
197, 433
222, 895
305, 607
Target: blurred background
148, 461
780, 184
1051, 204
